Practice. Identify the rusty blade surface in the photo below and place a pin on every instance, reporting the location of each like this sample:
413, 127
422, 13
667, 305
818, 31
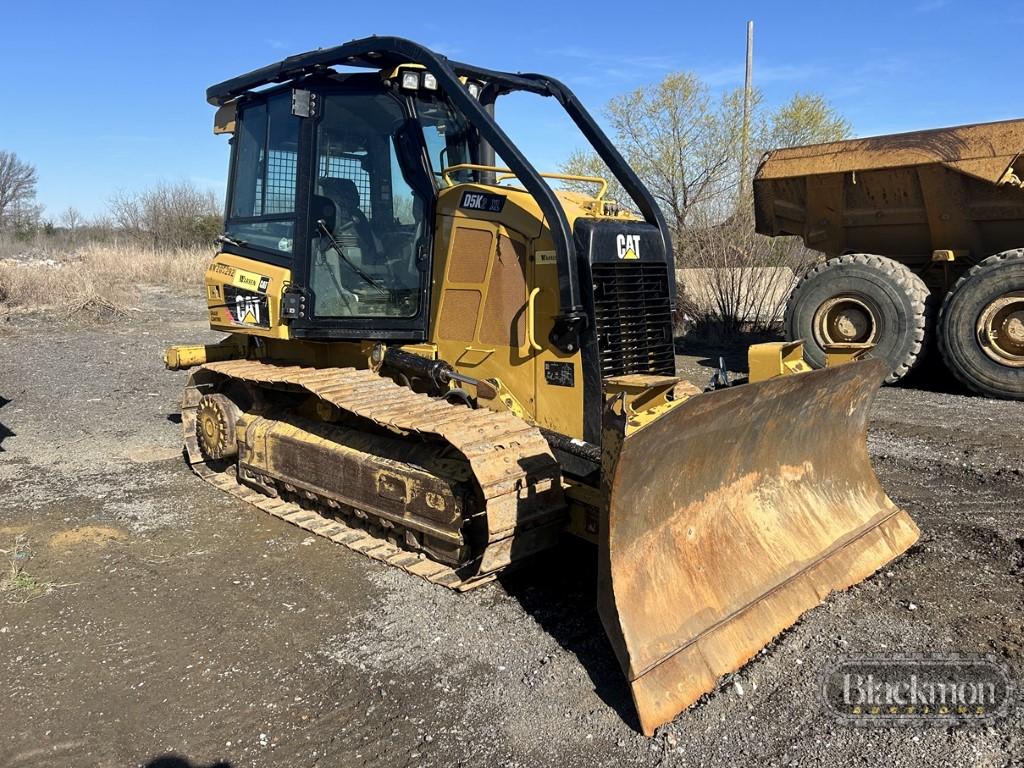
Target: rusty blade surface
731, 515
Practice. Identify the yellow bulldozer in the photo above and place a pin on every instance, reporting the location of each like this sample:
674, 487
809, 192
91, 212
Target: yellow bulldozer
446, 364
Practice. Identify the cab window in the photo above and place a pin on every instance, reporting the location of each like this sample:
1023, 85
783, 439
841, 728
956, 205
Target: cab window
261, 208
446, 134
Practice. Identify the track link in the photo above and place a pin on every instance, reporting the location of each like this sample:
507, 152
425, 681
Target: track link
512, 464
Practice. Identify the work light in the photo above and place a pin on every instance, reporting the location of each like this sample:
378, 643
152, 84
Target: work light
410, 79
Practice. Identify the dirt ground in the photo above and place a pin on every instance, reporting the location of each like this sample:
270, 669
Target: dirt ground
156, 621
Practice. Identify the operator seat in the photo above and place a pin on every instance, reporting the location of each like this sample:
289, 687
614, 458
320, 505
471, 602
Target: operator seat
351, 228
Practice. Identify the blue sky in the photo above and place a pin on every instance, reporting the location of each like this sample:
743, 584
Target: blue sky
105, 96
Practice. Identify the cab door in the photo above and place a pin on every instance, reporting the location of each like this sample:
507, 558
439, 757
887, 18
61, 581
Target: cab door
567, 388
365, 268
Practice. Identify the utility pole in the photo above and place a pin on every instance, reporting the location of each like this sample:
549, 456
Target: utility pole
748, 98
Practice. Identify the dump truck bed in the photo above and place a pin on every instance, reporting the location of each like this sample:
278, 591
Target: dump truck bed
901, 195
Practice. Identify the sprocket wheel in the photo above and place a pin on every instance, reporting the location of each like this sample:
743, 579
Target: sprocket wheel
215, 426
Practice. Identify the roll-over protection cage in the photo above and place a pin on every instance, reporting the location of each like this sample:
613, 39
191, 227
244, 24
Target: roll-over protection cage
389, 52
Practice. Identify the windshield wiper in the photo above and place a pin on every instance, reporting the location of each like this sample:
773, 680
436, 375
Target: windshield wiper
322, 226
232, 241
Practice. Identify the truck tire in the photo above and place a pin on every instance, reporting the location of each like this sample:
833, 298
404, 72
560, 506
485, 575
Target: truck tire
981, 327
862, 298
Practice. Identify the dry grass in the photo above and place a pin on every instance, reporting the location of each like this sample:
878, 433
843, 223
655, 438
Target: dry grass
98, 280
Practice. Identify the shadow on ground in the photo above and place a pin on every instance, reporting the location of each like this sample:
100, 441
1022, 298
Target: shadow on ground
177, 761
559, 590
711, 346
5, 431
931, 375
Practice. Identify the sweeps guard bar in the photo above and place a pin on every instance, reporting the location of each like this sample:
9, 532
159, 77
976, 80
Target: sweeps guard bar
381, 52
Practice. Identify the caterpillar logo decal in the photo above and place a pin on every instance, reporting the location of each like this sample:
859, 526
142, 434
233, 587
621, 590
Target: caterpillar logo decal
627, 246
247, 308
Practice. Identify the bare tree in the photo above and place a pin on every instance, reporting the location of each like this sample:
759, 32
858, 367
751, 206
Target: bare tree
17, 185
126, 212
168, 214
736, 279
71, 218
100, 226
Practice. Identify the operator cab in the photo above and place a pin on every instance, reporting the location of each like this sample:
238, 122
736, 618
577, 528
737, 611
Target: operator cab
370, 160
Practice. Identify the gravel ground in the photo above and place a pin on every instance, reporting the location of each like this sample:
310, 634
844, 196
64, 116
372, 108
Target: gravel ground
158, 617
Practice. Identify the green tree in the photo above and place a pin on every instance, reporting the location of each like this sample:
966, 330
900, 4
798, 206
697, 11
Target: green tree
807, 118
686, 144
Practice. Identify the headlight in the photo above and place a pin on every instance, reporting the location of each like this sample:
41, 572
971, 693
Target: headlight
411, 80
429, 82
474, 89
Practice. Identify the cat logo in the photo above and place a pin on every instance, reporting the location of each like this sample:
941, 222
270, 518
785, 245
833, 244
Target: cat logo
247, 310
627, 246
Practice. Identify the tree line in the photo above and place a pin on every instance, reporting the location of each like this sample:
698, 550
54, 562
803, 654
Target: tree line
171, 215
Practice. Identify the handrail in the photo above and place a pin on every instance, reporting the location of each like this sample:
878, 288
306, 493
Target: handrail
446, 176
531, 337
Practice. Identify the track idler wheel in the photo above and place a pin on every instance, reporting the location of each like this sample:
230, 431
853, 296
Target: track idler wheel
216, 418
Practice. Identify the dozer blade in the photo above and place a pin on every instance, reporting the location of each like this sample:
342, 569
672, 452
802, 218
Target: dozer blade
730, 515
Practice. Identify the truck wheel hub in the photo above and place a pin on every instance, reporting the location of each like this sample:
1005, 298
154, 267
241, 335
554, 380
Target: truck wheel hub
845, 320
1001, 329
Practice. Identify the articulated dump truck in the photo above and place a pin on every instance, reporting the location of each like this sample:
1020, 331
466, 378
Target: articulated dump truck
924, 234
446, 364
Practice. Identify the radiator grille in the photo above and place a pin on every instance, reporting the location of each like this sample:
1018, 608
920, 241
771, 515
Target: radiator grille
634, 319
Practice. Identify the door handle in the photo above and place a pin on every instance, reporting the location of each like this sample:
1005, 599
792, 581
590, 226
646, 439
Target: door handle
530, 315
